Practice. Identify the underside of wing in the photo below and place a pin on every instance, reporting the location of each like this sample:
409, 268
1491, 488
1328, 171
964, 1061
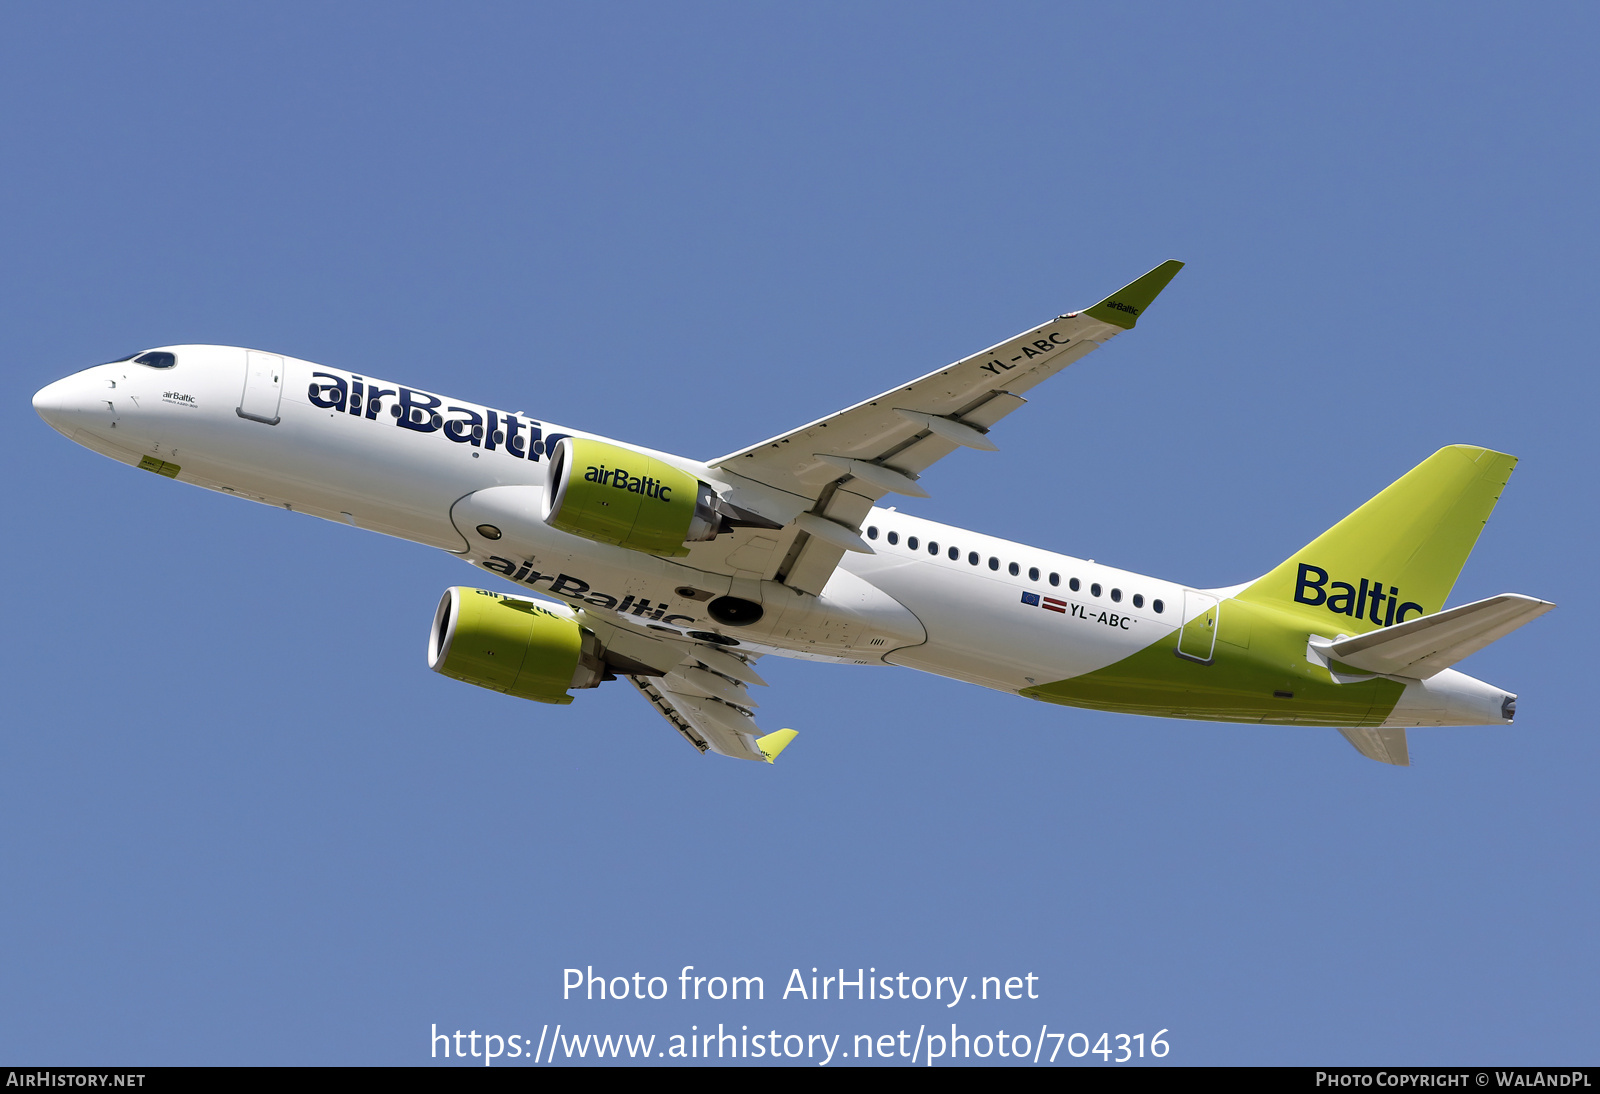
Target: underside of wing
845, 463
709, 723
702, 690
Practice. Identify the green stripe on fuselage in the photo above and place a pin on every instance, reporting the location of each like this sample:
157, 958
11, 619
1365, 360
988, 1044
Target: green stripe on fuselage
1259, 652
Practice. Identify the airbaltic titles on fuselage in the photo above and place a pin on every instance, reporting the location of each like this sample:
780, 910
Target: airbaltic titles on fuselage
573, 588
422, 412
481, 427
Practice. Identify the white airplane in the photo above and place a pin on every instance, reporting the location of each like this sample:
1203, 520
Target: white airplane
678, 574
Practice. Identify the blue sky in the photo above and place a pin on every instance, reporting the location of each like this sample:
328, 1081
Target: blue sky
244, 824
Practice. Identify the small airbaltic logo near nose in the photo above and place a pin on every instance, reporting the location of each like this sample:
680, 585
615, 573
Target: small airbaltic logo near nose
178, 398
1366, 601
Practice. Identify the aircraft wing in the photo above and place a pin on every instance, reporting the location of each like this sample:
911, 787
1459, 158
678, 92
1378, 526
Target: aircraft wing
846, 462
707, 722
702, 690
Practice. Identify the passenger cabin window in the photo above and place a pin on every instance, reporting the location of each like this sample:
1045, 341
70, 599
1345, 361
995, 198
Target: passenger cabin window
1073, 584
1158, 606
1116, 596
155, 359
1055, 579
1013, 569
1033, 573
955, 554
1138, 600
994, 563
973, 558
894, 537
933, 548
911, 542
872, 532
1094, 590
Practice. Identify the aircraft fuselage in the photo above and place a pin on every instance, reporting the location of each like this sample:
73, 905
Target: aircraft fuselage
469, 479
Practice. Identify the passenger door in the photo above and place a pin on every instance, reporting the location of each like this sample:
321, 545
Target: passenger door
263, 387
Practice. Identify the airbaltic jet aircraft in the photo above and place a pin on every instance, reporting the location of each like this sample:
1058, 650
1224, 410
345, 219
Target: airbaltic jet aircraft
679, 574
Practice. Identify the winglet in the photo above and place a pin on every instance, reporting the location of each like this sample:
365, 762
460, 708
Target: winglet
1123, 307
774, 743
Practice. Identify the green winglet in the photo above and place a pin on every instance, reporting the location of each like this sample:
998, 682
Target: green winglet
774, 743
1123, 307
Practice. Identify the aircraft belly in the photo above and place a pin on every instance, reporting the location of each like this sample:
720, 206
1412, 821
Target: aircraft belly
851, 621
850, 615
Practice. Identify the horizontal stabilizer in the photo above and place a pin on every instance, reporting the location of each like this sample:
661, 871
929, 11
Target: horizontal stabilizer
1422, 647
1387, 746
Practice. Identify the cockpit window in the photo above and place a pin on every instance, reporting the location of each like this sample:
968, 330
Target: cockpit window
156, 359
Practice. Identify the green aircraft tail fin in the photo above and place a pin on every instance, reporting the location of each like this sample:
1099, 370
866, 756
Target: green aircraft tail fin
1398, 556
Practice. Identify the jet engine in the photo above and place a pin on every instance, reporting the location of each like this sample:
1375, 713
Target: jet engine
612, 494
517, 646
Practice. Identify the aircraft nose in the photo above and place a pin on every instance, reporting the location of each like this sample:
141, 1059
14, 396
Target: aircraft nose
51, 401
63, 403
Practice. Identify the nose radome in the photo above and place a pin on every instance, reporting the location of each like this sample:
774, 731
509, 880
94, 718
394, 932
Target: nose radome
72, 402
52, 400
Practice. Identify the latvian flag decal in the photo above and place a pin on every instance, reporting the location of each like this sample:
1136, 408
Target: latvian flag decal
1048, 603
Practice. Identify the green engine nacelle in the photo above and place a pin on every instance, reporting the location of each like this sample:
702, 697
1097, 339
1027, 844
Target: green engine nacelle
615, 495
513, 645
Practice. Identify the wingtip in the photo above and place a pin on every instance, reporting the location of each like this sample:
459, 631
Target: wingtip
1123, 307
773, 744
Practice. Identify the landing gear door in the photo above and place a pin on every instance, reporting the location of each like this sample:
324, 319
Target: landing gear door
263, 387
1198, 639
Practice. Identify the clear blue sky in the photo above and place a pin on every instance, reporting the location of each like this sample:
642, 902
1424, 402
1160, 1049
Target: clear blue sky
244, 824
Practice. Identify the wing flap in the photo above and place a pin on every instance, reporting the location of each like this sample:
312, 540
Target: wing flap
702, 692
708, 724
813, 558
1425, 646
